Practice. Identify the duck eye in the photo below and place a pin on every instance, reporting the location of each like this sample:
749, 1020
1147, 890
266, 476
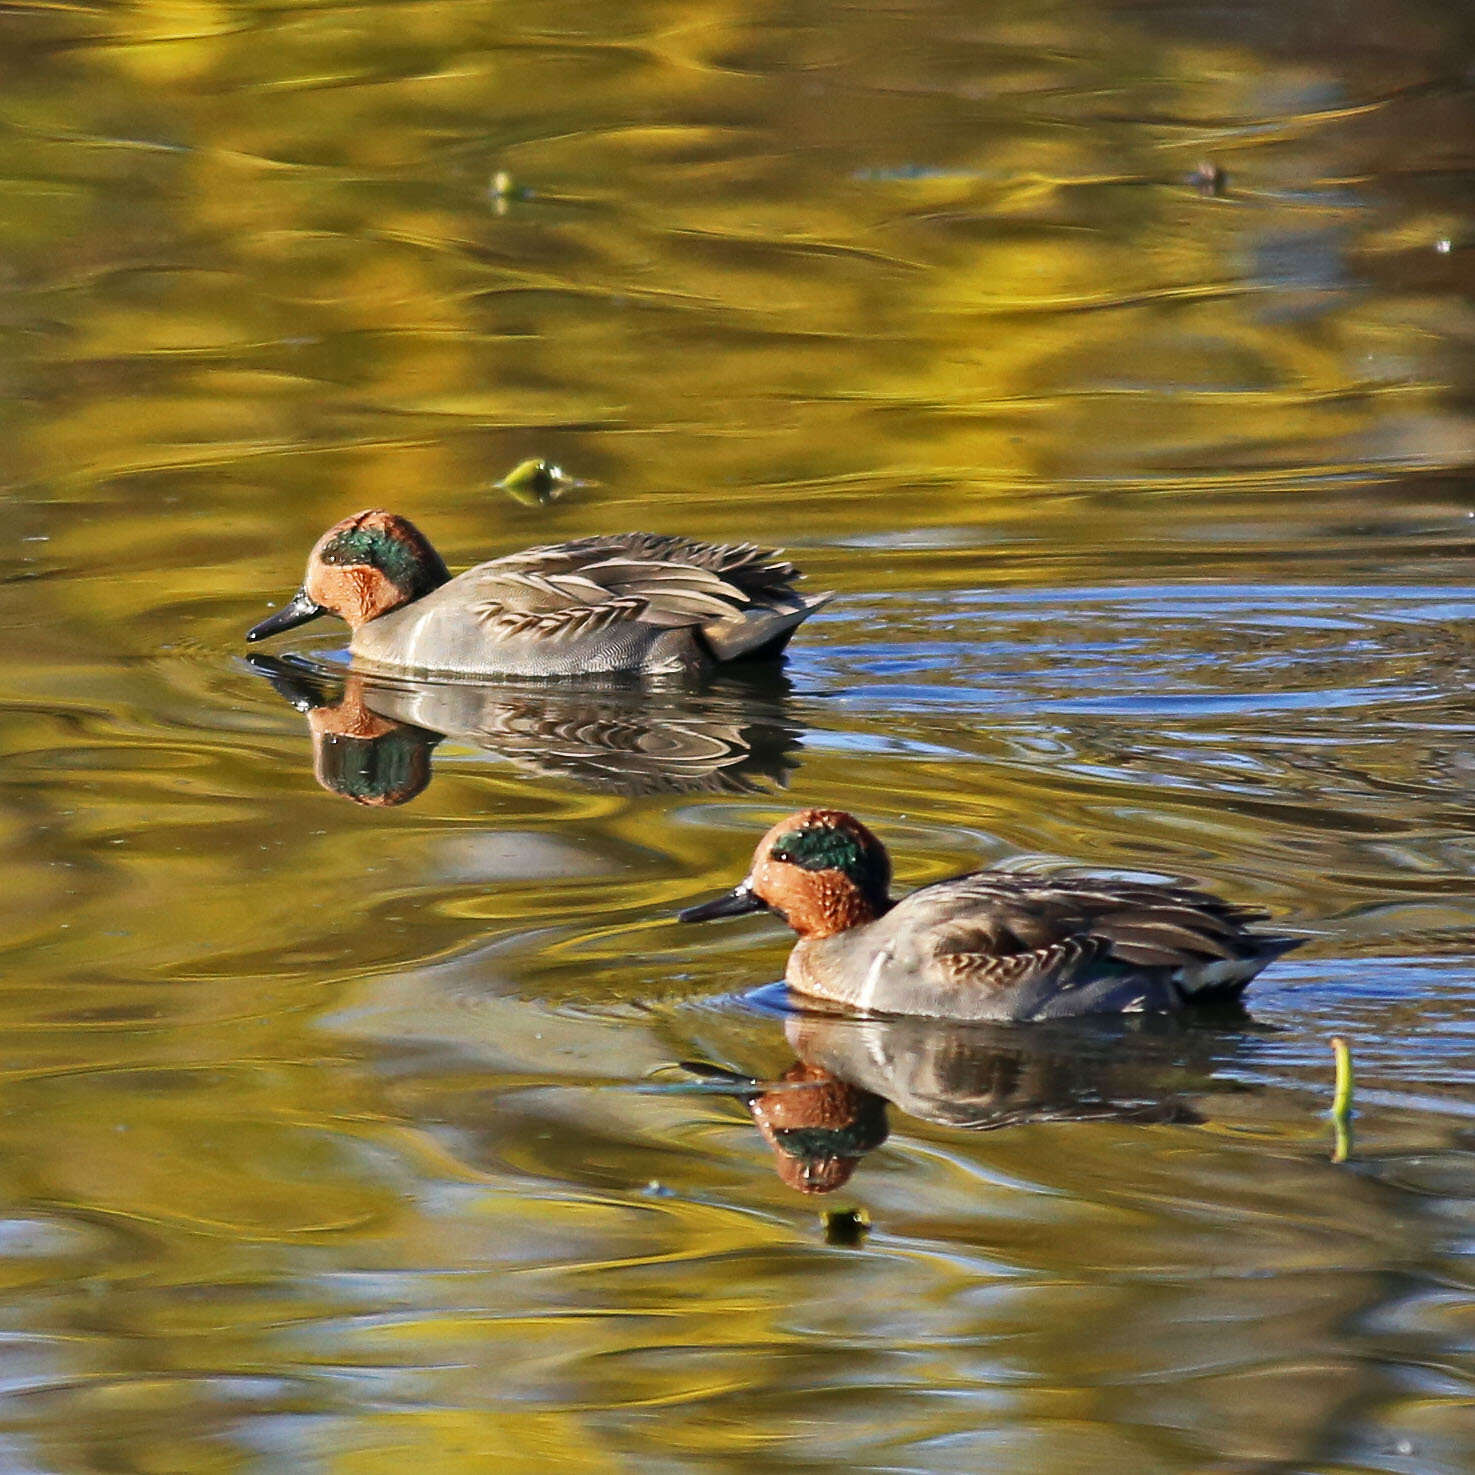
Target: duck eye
787, 856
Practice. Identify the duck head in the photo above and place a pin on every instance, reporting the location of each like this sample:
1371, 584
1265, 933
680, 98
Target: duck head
359, 569
821, 870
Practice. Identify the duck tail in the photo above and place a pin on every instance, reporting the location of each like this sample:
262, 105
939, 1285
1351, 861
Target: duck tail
1223, 981
759, 632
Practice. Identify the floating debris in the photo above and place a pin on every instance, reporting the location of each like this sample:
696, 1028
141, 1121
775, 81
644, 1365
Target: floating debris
1209, 179
536, 483
1342, 1101
847, 1227
504, 190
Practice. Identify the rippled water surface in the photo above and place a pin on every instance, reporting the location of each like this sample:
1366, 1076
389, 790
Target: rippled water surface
411, 1132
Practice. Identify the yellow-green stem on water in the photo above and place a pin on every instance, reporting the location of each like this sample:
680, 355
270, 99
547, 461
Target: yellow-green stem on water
1342, 1101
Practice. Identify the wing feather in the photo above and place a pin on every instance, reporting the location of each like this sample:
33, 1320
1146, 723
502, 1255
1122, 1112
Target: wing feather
591, 584
1060, 962
1140, 924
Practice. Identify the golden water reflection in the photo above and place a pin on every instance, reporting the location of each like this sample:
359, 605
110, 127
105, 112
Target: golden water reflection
341, 1136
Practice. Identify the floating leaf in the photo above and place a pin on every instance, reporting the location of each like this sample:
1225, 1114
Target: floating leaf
536, 483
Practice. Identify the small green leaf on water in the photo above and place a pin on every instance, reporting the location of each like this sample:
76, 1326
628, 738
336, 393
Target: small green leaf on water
846, 1226
536, 483
1342, 1101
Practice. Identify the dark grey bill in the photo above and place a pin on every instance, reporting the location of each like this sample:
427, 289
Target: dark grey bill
732, 903
298, 612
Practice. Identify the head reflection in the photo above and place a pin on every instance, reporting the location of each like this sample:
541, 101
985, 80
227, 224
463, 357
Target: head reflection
818, 1126
373, 736
356, 752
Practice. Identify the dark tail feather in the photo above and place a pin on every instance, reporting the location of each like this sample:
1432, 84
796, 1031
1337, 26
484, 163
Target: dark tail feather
1268, 947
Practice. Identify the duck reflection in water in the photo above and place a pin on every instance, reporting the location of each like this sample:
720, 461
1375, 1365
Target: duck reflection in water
818, 1125
828, 1109
373, 736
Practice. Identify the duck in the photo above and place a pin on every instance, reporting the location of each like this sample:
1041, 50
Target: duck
627, 603
993, 944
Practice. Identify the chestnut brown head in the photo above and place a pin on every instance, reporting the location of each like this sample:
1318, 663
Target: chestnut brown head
361, 568
821, 870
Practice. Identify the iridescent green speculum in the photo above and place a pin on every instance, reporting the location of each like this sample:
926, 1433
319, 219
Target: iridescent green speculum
410, 564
